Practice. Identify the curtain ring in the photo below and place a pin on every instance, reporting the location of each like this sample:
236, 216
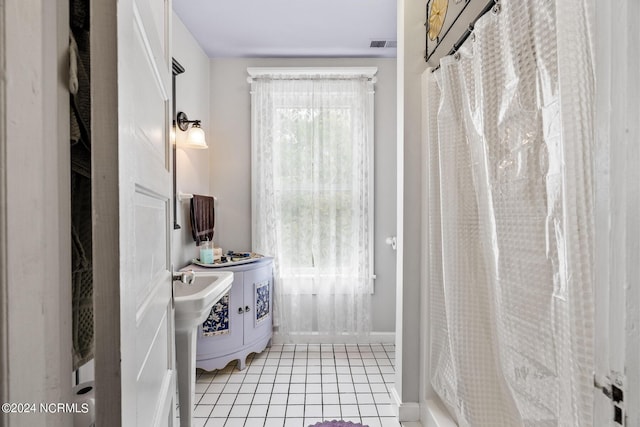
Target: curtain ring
471, 33
497, 8
456, 56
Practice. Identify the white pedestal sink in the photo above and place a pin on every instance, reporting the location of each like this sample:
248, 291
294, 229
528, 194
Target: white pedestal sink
193, 303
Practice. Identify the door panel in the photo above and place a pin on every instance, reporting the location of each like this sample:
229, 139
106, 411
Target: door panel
151, 319
151, 254
153, 374
219, 345
150, 99
159, 11
256, 323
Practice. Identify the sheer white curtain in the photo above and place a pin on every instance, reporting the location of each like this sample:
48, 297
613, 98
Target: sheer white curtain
511, 232
312, 159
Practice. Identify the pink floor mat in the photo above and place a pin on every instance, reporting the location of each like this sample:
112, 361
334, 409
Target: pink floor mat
335, 423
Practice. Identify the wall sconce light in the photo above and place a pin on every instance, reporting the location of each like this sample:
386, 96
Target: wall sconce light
195, 134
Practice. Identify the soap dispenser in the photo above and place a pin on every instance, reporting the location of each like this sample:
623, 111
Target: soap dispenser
206, 252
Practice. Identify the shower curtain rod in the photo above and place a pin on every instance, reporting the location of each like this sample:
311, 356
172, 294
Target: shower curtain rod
493, 5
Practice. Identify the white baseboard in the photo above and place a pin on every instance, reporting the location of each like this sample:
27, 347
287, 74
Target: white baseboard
433, 414
313, 338
405, 411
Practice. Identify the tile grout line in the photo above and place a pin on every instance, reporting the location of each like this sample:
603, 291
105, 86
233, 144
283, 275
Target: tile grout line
372, 363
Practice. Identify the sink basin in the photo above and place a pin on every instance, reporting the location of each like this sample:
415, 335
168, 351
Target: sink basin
193, 302
192, 307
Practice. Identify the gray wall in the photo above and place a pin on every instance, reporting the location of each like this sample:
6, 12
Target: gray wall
192, 97
409, 340
230, 142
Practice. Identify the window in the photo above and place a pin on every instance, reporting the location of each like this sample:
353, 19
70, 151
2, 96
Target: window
312, 165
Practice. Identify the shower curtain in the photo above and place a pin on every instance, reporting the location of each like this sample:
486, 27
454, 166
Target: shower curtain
510, 219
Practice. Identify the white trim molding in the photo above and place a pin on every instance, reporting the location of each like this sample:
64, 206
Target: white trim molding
404, 411
35, 285
311, 338
432, 414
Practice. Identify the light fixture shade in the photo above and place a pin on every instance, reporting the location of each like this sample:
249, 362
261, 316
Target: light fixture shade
195, 138
194, 134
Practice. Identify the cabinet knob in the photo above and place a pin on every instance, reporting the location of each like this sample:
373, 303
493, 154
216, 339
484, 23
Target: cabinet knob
247, 309
240, 310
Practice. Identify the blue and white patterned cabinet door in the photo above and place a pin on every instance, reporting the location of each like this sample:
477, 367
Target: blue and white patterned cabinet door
218, 321
262, 301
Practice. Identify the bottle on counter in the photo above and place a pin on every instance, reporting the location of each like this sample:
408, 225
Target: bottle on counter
206, 252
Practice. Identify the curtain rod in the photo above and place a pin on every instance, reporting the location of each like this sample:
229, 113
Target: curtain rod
493, 5
317, 77
307, 73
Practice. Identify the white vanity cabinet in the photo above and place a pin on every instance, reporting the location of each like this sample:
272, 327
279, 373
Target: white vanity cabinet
241, 322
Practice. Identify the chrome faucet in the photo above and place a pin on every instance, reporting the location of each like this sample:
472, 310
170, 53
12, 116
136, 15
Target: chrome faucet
186, 277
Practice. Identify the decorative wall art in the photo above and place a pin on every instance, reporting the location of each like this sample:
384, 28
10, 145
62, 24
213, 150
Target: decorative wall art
218, 321
263, 301
448, 23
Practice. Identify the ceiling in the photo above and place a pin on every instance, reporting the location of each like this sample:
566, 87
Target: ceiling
290, 28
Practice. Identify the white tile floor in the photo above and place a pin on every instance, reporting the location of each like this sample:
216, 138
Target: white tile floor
300, 385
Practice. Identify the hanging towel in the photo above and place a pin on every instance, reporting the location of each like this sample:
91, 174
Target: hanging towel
80, 144
202, 218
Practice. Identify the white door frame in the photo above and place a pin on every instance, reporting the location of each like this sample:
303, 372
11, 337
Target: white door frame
106, 267
4, 303
35, 234
617, 205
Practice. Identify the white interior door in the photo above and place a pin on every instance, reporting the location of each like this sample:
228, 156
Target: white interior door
131, 78
147, 331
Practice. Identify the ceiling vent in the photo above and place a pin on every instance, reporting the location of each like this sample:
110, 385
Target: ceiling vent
384, 43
